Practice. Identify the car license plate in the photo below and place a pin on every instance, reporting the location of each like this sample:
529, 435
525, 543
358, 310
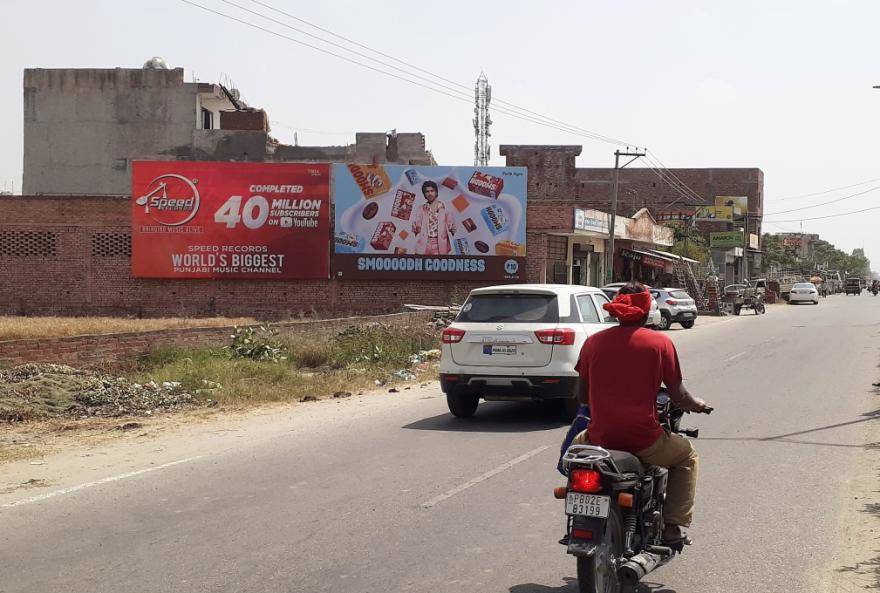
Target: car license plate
504, 349
687, 314
586, 505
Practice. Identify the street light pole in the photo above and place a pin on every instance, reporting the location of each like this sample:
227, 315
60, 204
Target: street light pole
609, 255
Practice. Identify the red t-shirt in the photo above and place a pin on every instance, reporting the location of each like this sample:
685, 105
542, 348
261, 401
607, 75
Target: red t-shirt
624, 367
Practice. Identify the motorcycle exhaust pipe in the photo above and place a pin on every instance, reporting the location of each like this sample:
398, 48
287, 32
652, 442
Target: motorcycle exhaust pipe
632, 571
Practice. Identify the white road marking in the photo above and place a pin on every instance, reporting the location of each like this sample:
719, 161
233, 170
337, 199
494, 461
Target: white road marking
482, 478
734, 357
139, 472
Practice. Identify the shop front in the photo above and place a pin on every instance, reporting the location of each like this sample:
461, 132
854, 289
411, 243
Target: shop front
645, 267
636, 258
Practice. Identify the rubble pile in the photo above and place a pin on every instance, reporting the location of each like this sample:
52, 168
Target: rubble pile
40, 391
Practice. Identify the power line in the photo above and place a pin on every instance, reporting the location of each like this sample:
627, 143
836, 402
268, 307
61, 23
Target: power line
597, 136
431, 85
849, 197
827, 216
827, 191
467, 94
443, 90
672, 180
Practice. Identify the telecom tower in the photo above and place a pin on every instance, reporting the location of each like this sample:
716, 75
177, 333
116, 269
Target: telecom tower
482, 120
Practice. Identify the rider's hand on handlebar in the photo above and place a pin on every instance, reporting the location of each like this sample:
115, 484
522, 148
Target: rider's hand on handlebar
700, 407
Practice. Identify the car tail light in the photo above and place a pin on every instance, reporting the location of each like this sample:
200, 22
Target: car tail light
452, 335
560, 336
586, 534
672, 302
586, 480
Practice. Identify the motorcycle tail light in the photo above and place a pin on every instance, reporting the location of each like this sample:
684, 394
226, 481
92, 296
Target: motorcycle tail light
586, 480
582, 534
452, 335
560, 492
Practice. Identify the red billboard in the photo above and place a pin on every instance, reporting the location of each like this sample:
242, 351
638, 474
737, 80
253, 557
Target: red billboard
230, 220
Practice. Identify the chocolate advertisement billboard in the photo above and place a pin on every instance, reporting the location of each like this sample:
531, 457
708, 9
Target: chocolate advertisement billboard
195, 219
408, 222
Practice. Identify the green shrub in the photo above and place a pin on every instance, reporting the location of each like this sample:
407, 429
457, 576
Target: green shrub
373, 345
262, 344
311, 355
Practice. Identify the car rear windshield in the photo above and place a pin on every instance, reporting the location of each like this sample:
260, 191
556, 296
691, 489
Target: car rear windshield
679, 294
510, 308
803, 285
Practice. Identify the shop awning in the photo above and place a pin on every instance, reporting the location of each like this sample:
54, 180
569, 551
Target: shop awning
645, 257
672, 256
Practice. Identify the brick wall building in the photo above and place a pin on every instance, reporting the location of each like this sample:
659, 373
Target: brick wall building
555, 178
71, 255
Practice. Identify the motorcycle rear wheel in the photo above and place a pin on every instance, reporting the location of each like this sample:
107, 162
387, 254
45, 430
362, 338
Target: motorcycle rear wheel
598, 574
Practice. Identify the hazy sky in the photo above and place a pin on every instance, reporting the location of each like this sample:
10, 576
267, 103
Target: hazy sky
780, 85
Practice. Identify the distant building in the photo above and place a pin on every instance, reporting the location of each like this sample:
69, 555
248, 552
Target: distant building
83, 127
555, 178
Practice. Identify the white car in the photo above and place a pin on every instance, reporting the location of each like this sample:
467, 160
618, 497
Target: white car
519, 342
654, 320
804, 292
676, 306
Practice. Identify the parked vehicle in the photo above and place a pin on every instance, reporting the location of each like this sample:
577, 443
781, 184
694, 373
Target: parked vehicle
519, 342
853, 286
614, 508
654, 319
746, 295
804, 292
676, 306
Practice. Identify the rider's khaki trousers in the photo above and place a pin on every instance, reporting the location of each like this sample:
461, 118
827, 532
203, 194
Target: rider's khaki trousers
678, 455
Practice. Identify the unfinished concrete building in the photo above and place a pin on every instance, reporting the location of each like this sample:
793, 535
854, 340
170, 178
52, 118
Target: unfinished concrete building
83, 127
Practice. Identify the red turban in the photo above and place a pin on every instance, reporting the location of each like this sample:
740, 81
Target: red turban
630, 308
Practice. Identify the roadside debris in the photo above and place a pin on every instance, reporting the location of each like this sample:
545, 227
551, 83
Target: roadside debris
34, 391
405, 374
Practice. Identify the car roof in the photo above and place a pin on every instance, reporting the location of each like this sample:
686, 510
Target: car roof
557, 289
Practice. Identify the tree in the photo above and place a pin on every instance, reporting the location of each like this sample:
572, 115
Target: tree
689, 243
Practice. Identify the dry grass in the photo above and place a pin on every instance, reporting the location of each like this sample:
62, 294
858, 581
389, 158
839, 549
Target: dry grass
9, 453
19, 328
244, 382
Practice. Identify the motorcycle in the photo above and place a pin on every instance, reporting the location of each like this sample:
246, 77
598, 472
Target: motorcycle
614, 509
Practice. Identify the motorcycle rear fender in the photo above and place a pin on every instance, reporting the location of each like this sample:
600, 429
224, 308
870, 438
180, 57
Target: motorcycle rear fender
581, 547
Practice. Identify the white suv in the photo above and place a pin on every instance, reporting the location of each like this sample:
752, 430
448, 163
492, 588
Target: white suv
519, 342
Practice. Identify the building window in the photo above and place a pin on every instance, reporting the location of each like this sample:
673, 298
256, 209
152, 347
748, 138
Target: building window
111, 245
28, 244
207, 119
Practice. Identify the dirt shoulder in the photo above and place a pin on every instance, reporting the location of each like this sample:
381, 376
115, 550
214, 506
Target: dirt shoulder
60, 459
855, 561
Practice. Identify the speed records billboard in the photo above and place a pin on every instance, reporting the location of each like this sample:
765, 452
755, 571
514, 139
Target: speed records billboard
408, 222
230, 220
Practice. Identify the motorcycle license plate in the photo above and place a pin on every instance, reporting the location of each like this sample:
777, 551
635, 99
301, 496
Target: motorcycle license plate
586, 505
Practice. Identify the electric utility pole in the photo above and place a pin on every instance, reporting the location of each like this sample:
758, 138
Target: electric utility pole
609, 255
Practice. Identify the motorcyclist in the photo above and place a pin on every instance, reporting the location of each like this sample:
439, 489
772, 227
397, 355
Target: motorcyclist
621, 369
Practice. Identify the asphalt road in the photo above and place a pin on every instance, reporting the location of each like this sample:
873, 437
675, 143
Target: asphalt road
390, 493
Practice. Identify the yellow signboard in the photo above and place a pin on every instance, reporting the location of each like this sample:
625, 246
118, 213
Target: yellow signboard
720, 213
740, 204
